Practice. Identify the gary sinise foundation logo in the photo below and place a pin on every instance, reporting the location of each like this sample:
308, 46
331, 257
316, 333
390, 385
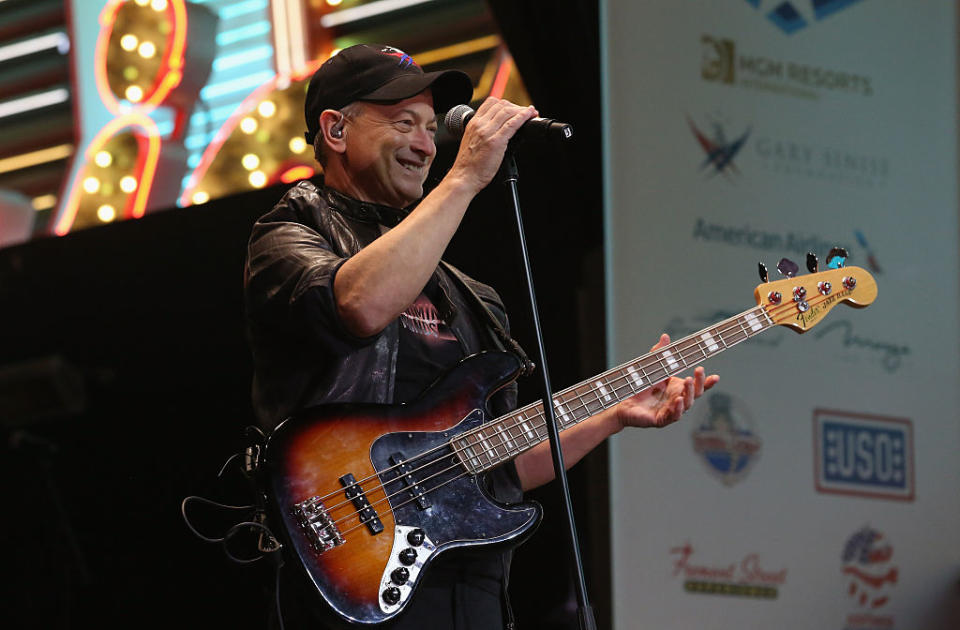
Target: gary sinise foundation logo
718, 147
723, 142
724, 62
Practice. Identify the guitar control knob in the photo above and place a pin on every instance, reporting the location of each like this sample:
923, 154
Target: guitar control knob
799, 293
408, 556
400, 575
391, 595
849, 282
824, 287
416, 536
774, 297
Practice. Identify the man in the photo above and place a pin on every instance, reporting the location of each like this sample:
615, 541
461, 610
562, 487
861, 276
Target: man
347, 300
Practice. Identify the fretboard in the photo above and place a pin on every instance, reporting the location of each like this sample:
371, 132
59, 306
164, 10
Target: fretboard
504, 438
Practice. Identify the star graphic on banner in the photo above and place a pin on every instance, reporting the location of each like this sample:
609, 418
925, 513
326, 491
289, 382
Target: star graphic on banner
802, 7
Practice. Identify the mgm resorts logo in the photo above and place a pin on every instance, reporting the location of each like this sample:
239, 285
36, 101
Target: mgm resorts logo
722, 63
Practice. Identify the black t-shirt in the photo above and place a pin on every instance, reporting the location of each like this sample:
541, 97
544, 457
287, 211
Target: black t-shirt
428, 347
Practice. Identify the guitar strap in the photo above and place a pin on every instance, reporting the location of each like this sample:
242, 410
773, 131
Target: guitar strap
508, 342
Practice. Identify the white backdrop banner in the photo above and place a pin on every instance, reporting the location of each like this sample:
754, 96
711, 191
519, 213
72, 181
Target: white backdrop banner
817, 485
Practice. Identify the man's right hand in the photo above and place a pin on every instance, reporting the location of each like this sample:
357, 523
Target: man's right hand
485, 141
384, 278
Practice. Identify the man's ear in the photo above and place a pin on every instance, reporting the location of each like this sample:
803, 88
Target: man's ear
332, 128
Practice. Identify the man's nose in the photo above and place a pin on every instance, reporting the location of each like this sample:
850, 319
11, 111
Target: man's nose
424, 143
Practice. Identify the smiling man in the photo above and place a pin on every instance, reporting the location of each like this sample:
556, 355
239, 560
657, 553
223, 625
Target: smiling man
347, 299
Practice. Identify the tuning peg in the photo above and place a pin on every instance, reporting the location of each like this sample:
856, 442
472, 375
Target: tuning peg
762, 269
812, 263
836, 258
787, 267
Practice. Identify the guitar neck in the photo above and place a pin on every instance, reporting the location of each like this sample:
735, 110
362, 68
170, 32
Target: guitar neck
508, 436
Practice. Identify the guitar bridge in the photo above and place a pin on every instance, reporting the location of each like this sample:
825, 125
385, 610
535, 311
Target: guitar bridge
316, 523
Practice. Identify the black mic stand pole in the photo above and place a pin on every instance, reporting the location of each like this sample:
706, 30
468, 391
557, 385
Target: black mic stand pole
510, 174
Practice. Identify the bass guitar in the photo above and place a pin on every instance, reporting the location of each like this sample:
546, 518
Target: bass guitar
368, 496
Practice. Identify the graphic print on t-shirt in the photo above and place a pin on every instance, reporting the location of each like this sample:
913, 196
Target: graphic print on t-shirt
423, 319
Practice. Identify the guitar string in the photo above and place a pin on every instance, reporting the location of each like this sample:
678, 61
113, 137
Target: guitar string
393, 509
495, 450
679, 345
521, 411
697, 346
538, 404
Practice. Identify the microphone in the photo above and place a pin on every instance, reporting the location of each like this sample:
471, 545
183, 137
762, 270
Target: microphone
535, 129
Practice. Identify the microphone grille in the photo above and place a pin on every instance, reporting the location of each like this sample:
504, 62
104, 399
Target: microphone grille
456, 119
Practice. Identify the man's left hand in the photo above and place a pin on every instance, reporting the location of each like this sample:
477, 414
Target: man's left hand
665, 402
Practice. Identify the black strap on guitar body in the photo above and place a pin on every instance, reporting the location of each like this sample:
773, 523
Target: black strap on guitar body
508, 342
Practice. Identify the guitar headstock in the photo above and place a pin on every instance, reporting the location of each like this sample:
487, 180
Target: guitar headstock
801, 302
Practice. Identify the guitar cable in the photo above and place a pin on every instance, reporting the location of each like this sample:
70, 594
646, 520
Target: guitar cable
255, 514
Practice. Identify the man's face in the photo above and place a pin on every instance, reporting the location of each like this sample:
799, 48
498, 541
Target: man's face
390, 149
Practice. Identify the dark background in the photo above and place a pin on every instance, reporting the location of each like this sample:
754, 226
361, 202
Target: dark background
124, 376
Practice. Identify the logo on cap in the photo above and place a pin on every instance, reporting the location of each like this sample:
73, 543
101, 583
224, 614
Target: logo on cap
405, 59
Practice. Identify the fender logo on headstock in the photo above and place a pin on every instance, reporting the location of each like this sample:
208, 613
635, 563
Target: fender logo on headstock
816, 311
801, 302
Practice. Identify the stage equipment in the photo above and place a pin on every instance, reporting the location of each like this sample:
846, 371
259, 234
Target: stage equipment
535, 129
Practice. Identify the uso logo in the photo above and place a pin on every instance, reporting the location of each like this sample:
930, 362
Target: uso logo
863, 455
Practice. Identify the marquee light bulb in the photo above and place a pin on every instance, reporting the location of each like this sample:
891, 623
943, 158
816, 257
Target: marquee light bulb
200, 197
250, 161
128, 184
147, 50
258, 179
106, 213
134, 93
91, 184
103, 159
248, 125
267, 109
158, 5
129, 41
298, 144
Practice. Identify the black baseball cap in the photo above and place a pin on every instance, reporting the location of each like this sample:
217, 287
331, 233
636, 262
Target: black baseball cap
378, 74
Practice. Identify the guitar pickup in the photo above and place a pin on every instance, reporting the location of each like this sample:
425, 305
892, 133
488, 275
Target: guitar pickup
368, 515
404, 471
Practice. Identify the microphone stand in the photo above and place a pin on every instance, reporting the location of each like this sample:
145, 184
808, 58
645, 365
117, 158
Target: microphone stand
510, 174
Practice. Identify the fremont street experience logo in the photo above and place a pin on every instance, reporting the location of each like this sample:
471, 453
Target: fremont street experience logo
747, 576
